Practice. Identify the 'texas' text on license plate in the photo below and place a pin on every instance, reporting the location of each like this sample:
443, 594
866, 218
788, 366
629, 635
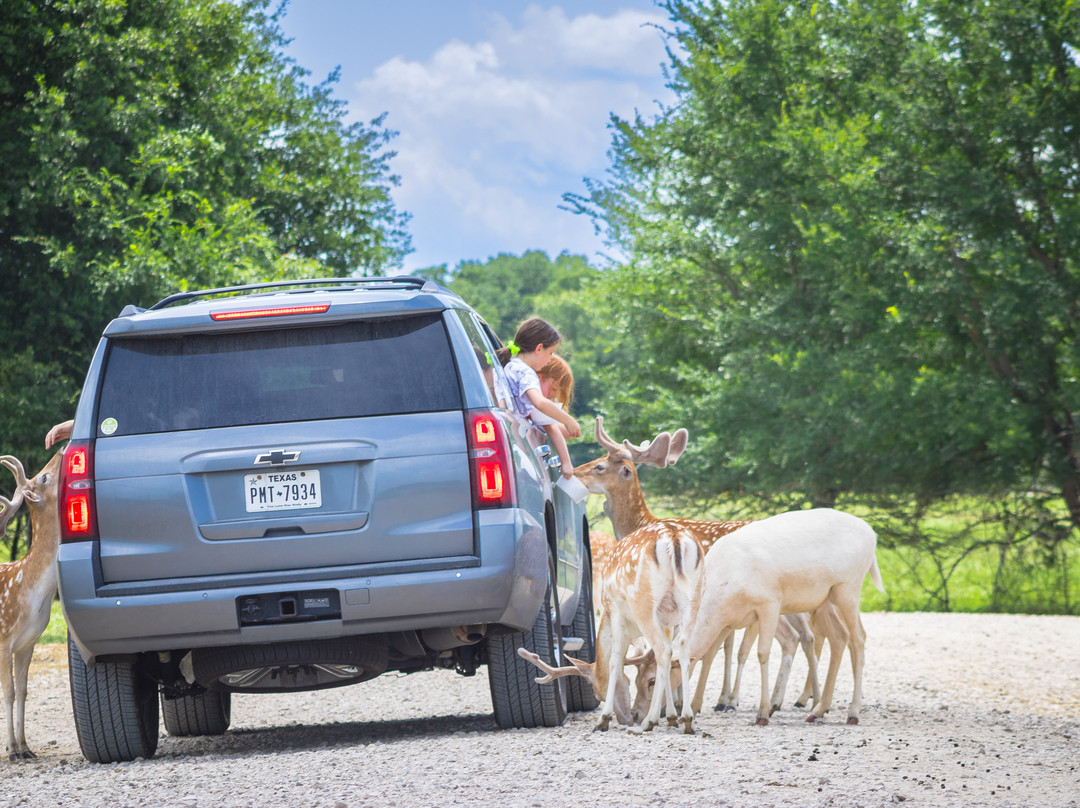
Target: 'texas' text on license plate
282, 490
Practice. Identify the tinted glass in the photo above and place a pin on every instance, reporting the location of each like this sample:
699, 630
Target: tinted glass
489, 363
355, 369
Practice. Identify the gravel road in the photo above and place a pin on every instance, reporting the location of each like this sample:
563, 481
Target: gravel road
960, 710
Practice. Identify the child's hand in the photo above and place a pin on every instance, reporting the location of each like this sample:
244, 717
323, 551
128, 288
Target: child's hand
574, 428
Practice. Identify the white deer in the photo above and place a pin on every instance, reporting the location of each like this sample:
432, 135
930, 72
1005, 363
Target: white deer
27, 587
652, 588
799, 561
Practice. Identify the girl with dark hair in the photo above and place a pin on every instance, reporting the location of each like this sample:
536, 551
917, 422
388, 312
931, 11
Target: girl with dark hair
530, 351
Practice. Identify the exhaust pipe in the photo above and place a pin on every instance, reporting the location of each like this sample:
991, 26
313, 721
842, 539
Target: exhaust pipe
443, 639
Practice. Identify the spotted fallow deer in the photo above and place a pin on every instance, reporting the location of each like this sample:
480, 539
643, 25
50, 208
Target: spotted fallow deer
615, 477
27, 587
652, 587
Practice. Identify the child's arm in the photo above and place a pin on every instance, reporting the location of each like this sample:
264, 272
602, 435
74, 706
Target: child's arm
552, 410
61, 431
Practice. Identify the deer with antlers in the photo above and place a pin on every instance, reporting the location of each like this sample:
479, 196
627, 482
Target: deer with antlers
615, 476
27, 587
652, 587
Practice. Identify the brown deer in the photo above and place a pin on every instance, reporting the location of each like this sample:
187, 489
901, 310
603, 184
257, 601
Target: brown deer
27, 587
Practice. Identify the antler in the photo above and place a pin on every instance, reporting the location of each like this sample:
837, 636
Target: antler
23, 488
552, 673
11, 506
662, 450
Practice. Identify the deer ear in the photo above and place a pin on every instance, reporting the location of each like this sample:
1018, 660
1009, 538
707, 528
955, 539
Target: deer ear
678, 445
626, 472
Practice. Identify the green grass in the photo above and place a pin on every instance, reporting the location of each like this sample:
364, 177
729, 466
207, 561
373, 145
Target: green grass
57, 629
961, 560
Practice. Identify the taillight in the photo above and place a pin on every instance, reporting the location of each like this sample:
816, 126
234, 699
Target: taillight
489, 455
77, 504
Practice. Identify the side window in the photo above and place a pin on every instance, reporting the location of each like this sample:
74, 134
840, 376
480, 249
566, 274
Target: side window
489, 362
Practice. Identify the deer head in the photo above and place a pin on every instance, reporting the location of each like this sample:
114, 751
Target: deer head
40, 491
645, 682
615, 475
588, 671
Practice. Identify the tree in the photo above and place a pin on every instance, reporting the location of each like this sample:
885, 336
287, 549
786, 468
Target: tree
155, 145
854, 248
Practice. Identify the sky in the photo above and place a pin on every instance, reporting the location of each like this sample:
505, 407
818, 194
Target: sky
501, 107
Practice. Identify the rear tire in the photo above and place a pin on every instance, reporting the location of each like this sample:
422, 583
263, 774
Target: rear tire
205, 713
580, 694
518, 700
116, 709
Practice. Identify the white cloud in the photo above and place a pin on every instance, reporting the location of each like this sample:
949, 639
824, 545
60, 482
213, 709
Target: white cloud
627, 43
492, 133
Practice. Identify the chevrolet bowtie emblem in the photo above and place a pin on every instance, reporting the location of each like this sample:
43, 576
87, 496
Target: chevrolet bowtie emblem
277, 457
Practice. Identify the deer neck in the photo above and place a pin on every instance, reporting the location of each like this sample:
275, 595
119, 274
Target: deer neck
627, 511
40, 559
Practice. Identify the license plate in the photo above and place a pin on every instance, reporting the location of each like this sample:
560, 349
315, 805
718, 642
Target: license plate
282, 490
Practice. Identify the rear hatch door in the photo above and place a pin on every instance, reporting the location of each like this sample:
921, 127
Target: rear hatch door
281, 449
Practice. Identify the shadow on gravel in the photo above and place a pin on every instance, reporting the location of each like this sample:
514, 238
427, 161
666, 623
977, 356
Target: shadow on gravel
303, 737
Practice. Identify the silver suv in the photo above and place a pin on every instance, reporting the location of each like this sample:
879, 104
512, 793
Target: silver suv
302, 485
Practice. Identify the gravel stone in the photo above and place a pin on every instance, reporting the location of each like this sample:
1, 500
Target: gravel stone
959, 711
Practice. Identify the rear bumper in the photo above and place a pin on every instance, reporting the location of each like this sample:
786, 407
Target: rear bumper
506, 587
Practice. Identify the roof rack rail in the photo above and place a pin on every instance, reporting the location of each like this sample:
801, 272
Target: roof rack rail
394, 281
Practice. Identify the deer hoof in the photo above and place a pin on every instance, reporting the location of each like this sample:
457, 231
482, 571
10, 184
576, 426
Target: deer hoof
810, 719
763, 722
688, 727
672, 721
799, 704
853, 719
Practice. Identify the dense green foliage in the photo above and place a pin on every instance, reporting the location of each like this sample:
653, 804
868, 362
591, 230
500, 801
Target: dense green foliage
148, 146
155, 145
855, 270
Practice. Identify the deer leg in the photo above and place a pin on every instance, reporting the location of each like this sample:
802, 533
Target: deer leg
686, 718
706, 663
22, 660
767, 619
725, 695
619, 643
8, 686
838, 636
812, 688
662, 690
747, 643
858, 659
789, 642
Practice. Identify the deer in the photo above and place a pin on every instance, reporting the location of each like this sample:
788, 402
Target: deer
615, 477
797, 561
27, 588
653, 583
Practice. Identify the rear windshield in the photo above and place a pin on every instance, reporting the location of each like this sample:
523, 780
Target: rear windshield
201, 381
